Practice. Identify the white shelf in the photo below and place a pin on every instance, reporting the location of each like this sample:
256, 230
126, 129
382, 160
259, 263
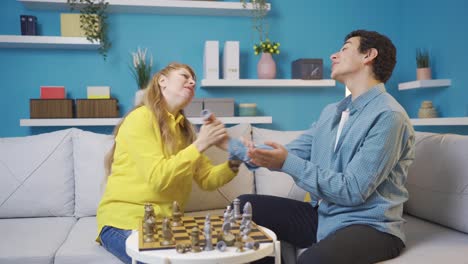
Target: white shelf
114, 121
49, 42
424, 84
441, 121
267, 83
164, 7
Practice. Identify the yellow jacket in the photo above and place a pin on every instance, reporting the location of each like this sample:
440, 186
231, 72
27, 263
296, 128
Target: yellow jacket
142, 172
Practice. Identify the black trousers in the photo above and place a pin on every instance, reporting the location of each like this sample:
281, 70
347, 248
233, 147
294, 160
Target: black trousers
296, 222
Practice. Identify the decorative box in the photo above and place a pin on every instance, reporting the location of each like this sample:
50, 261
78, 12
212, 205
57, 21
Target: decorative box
247, 109
51, 108
53, 92
98, 92
97, 108
307, 69
220, 106
194, 108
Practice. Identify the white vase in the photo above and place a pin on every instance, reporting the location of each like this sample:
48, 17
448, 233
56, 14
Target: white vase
139, 96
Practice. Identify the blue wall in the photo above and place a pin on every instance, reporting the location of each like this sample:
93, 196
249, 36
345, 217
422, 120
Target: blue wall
305, 29
439, 27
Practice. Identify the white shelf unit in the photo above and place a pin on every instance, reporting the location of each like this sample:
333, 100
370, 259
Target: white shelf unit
114, 121
424, 84
441, 121
163, 7
267, 83
46, 42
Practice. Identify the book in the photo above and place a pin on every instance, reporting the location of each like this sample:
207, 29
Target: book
53, 92
231, 60
211, 60
70, 25
32, 23
24, 24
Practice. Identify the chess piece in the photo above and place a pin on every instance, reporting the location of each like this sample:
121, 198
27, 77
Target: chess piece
247, 211
226, 234
195, 240
182, 248
252, 245
238, 244
207, 232
227, 214
246, 216
166, 233
245, 231
176, 214
221, 246
237, 214
149, 224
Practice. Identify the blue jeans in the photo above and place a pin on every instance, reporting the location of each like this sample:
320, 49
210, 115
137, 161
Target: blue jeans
113, 240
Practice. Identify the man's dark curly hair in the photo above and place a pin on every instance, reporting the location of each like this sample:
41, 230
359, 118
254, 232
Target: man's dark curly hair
385, 61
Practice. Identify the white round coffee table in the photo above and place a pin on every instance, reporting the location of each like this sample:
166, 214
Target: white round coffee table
230, 256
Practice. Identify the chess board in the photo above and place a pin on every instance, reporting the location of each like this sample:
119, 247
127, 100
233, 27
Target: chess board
181, 234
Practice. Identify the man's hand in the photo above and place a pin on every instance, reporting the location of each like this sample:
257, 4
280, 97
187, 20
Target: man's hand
271, 159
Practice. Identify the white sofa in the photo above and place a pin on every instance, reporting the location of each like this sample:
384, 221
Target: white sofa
51, 185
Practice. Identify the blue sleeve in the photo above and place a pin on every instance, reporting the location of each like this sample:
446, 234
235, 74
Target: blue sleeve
238, 151
301, 146
371, 164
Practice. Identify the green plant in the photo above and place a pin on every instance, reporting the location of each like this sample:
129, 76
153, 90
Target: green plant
258, 12
267, 47
93, 20
141, 68
422, 58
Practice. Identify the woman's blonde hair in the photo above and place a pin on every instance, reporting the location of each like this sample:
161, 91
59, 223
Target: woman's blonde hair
154, 100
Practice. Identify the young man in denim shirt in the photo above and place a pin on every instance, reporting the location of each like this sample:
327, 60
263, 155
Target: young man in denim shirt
353, 162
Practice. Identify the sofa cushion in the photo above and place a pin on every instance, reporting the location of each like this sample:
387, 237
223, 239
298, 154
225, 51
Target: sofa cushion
32, 240
89, 150
81, 247
272, 182
431, 243
428, 243
438, 178
36, 175
243, 183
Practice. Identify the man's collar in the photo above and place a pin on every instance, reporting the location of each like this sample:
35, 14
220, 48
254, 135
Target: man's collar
361, 101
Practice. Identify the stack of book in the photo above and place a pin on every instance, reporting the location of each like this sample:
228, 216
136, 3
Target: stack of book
28, 25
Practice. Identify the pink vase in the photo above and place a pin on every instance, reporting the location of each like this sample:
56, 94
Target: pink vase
266, 67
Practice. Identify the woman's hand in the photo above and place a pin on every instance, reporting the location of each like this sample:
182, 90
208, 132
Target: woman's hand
211, 133
223, 144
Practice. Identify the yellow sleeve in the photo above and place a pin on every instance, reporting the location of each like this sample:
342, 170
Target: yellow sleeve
141, 138
210, 177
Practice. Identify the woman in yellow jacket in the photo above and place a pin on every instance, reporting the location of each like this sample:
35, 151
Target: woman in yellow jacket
155, 158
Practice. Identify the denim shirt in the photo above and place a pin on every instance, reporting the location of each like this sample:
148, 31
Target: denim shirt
362, 181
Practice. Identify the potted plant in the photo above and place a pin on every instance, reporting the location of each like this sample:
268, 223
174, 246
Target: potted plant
423, 71
93, 21
141, 71
266, 67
